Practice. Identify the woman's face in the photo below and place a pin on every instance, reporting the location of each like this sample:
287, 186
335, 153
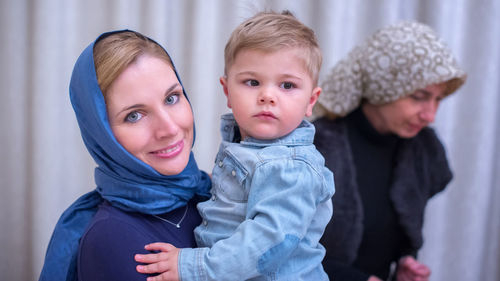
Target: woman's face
150, 116
406, 116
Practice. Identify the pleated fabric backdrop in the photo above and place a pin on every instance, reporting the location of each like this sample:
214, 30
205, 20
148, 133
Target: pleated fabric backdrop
45, 166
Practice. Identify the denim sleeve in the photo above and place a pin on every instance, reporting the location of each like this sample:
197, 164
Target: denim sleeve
282, 202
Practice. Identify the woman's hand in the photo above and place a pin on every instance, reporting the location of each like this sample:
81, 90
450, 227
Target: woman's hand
164, 262
410, 269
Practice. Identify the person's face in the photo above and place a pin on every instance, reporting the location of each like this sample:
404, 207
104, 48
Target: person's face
407, 116
269, 93
150, 116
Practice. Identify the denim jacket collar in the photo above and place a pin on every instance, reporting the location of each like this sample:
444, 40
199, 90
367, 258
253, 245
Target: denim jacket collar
302, 135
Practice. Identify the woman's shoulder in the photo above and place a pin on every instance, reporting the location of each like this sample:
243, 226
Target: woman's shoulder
111, 228
109, 220
328, 125
109, 244
428, 140
331, 140
113, 237
329, 130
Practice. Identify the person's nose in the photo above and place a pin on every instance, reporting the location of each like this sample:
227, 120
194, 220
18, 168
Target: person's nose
266, 96
428, 112
165, 126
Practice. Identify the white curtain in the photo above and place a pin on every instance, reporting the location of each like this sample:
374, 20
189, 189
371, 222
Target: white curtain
45, 166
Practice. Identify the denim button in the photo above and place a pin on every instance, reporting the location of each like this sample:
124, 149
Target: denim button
205, 222
213, 197
220, 163
233, 172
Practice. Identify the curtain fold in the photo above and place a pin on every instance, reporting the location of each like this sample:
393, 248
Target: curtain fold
45, 166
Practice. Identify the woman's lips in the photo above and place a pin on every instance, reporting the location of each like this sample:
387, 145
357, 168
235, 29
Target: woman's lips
170, 151
416, 127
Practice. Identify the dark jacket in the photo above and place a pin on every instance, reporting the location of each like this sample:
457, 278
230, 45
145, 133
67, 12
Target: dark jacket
421, 170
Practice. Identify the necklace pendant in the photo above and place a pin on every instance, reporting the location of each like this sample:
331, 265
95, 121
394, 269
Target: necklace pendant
177, 225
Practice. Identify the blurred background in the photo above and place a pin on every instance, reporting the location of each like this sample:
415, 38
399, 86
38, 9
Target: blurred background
45, 166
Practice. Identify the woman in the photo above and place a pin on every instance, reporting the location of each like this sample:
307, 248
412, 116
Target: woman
137, 124
377, 104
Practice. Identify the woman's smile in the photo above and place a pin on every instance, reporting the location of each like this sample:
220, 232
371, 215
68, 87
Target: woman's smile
170, 151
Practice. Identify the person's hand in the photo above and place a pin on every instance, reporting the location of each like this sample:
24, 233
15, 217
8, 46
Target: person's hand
374, 278
164, 262
410, 269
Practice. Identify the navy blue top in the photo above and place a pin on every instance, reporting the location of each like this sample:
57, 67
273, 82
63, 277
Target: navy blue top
113, 237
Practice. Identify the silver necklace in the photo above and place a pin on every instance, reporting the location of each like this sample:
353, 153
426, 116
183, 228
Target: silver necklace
178, 225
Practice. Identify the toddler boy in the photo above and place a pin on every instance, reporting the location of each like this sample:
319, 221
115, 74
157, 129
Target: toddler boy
271, 195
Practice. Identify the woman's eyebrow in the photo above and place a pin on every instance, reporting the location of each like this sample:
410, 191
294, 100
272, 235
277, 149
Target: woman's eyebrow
138, 105
171, 88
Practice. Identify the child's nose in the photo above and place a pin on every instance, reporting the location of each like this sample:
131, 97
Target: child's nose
267, 96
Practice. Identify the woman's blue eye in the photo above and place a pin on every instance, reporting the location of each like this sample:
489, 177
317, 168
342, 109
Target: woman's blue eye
172, 99
287, 85
252, 83
133, 117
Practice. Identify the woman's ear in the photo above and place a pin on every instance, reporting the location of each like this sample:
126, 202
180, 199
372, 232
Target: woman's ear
312, 100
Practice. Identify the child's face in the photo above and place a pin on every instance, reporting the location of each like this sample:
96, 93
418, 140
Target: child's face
269, 93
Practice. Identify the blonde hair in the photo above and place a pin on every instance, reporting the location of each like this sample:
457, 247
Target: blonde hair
271, 32
115, 52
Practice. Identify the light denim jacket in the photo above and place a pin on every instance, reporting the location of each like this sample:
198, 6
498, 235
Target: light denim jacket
270, 205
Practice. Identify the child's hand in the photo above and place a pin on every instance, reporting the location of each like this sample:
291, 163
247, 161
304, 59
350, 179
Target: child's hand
164, 262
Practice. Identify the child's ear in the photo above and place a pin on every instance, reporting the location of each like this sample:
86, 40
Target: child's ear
312, 100
223, 82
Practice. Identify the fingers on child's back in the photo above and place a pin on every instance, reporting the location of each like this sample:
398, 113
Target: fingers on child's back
159, 247
156, 267
152, 258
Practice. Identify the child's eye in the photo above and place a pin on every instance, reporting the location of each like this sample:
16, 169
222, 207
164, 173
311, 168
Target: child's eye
252, 83
172, 99
133, 117
287, 85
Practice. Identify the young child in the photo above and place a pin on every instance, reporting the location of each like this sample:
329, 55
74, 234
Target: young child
271, 191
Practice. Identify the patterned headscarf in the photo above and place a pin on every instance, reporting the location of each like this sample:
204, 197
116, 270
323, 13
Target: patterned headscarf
123, 180
392, 63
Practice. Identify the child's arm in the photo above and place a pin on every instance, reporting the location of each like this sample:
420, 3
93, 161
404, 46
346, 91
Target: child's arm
164, 262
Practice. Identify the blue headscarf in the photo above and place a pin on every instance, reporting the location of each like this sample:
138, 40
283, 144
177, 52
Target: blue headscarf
125, 181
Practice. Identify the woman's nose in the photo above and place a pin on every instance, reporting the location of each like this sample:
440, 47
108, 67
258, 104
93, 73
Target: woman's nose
428, 112
165, 126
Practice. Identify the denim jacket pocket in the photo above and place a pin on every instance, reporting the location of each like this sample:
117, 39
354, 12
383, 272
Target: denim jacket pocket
231, 179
